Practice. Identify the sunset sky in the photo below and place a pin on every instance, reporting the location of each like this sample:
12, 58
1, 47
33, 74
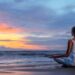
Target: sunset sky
36, 24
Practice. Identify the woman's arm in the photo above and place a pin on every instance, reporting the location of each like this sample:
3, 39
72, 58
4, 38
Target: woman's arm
69, 49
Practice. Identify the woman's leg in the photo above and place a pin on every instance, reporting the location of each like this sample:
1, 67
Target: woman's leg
59, 61
63, 61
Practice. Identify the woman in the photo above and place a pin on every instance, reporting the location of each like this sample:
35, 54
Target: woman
68, 58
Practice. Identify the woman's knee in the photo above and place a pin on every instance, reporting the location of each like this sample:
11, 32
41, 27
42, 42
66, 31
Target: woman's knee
56, 60
60, 61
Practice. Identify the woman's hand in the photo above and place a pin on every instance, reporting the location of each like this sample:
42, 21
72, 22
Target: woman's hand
51, 56
56, 55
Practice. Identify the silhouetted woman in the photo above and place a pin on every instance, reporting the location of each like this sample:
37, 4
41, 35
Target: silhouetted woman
68, 58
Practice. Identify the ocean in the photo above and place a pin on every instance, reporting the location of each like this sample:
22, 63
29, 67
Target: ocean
11, 61
26, 57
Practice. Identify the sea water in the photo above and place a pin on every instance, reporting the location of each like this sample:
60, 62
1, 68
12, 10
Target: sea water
26, 60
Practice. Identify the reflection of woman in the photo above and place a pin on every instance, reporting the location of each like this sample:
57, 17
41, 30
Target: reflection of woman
68, 58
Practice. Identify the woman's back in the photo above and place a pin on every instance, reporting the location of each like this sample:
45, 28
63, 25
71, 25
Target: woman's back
73, 52
73, 40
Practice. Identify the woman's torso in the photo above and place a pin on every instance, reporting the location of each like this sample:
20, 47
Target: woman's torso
72, 55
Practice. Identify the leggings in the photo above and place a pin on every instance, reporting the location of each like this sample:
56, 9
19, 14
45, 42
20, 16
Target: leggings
63, 61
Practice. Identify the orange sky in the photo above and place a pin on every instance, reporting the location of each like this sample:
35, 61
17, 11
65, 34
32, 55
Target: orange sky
11, 37
5, 28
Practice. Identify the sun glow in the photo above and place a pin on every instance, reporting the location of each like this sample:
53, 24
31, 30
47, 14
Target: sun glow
16, 38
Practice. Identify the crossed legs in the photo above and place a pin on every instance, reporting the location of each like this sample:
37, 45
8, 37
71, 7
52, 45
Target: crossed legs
63, 61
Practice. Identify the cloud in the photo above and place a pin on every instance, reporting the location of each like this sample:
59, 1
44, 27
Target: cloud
5, 28
18, 1
11, 37
21, 45
36, 23
33, 18
69, 7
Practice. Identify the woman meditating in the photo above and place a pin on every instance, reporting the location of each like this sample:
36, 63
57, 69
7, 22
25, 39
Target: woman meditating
68, 58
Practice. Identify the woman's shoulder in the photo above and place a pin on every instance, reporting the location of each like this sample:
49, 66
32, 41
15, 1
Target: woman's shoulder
71, 40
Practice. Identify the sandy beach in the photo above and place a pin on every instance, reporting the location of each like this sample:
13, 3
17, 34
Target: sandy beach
16, 64
34, 70
22, 71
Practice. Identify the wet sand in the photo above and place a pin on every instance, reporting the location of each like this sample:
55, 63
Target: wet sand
41, 71
18, 65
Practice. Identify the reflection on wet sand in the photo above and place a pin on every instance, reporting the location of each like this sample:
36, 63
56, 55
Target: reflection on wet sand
23, 70
14, 73
29, 65
62, 71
